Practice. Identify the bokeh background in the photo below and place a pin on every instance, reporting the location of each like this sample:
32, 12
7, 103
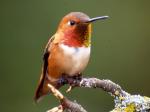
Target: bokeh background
120, 50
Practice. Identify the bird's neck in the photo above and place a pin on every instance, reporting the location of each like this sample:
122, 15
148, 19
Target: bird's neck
75, 39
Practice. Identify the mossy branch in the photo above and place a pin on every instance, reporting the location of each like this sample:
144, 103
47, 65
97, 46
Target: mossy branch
124, 102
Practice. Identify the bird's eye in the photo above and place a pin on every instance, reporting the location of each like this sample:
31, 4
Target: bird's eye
71, 22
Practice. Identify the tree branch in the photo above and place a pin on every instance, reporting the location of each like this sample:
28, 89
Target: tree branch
66, 104
124, 102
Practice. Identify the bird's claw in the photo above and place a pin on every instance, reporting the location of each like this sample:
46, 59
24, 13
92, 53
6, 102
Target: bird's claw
62, 81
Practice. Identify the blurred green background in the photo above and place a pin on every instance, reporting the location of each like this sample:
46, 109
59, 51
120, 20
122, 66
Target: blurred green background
120, 50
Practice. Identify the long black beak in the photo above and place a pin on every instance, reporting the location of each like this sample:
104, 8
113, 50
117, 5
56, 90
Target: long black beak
97, 18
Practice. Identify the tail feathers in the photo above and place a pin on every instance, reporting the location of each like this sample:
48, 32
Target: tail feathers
38, 96
41, 91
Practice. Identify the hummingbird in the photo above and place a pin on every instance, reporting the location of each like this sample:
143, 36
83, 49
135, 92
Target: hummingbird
67, 51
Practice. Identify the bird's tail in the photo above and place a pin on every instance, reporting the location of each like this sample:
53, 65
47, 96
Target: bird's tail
41, 90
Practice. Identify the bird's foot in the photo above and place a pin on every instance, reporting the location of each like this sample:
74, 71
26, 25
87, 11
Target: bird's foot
62, 81
73, 81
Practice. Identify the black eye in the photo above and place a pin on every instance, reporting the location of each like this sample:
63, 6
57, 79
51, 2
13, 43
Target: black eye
71, 22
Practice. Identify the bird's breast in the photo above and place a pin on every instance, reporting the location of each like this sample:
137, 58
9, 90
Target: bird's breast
76, 59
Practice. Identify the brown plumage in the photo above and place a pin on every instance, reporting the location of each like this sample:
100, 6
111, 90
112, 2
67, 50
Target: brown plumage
67, 52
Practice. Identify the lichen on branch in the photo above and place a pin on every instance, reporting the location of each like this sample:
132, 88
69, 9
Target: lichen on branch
124, 102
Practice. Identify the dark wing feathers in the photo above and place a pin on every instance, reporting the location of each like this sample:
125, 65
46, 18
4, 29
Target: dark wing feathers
38, 93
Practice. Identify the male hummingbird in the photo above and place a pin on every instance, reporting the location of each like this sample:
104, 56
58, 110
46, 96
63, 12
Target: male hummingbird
67, 51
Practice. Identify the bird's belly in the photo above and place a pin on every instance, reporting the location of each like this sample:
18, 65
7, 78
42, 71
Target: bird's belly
76, 59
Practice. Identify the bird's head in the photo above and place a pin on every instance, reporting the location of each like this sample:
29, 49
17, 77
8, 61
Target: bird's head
75, 28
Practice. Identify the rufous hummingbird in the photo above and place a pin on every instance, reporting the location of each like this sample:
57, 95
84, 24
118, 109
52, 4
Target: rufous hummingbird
67, 51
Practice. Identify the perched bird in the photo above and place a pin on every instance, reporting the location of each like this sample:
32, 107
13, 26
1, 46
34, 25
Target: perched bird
67, 51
